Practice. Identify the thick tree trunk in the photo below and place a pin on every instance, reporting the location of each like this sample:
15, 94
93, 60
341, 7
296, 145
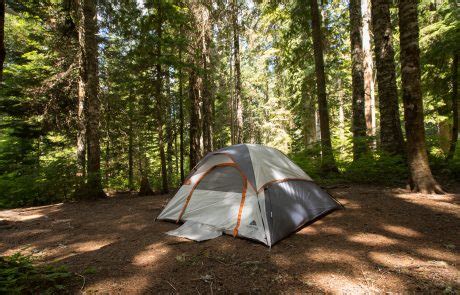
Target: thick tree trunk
195, 118
2, 38
89, 89
454, 79
421, 178
369, 97
236, 57
357, 72
391, 137
328, 161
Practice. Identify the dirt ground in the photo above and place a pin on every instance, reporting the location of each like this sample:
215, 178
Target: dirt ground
385, 240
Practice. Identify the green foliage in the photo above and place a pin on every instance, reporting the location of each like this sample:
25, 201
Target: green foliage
377, 168
53, 182
35, 171
372, 168
18, 275
448, 170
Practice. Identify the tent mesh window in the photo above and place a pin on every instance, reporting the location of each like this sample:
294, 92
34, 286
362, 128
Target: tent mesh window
222, 179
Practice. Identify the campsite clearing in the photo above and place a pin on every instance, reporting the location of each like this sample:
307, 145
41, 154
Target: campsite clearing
385, 240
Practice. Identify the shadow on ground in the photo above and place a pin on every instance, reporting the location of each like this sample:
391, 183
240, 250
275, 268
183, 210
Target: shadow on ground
386, 240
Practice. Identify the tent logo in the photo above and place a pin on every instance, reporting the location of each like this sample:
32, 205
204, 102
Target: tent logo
253, 223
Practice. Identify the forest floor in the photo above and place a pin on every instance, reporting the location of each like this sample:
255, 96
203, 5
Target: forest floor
385, 240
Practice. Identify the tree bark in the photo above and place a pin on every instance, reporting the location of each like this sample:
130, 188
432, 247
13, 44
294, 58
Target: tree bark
454, 79
308, 117
160, 102
328, 161
170, 124
181, 118
195, 118
391, 137
145, 188
357, 72
2, 38
236, 57
421, 178
207, 98
369, 97
130, 145
232, 94
81, 127
89, 89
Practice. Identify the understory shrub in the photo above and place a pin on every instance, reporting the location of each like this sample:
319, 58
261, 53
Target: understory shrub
53, 181
377, 168
18, 275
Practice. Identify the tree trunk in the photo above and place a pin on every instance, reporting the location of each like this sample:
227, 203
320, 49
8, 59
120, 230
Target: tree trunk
130, 145
421, 178
206, 85
308, 116
160, 103
181, 117
454, 79
163, 162
81, 127
357, 72
236, 57
89, 89
328, 161
170, 124
391, 137
145, 188
2, 38
195, 118
369, 97
341, 114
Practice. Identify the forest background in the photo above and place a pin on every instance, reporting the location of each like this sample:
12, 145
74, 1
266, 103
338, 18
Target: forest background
111, 95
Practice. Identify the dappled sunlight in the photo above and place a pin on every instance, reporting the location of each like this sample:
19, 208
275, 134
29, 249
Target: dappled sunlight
394, 259
401, 231
15, 215
145, 257
322, 255
90, 245
309, 230
27, 233
339, 283
372, 246
434, 202
370, 239
129, 285
438, 254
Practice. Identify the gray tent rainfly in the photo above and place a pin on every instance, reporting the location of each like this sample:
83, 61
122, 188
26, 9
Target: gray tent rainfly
249, 191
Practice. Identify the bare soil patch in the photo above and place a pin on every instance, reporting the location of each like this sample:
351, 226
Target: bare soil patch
386, 240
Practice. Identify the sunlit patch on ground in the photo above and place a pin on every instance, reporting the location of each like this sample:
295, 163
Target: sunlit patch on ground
372, 239
401, 231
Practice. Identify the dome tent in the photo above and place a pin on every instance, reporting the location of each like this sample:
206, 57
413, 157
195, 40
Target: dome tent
246, 190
